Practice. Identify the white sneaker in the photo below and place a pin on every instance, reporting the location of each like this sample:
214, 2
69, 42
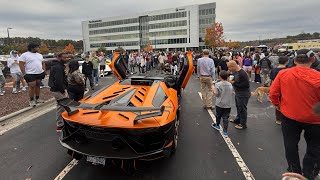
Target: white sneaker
1, 93
14, 92
39, 101
97, 85
24, 89
32, 103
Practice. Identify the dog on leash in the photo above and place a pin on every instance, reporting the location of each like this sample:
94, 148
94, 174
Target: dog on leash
260, 92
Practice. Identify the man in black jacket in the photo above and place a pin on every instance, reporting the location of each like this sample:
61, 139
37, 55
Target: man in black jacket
265, 68
241, 85
87, 68
58, 85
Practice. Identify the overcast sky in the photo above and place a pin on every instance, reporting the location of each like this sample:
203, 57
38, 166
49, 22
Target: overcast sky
242, 19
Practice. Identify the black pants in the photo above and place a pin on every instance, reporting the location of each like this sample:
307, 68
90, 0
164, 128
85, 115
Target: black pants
241, 104
278, 115
75, 92
291, 131
223, 113
257, 77
86, 77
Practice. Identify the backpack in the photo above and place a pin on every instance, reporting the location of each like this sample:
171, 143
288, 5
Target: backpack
264, 64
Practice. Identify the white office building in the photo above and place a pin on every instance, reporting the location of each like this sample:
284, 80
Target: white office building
179, 28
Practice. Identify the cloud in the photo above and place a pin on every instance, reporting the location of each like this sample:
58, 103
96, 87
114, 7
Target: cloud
243, 20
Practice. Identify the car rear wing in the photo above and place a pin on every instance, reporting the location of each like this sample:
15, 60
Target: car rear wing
72, 107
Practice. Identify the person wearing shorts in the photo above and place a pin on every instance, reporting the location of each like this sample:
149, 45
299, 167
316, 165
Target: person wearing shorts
32, 67
16, 74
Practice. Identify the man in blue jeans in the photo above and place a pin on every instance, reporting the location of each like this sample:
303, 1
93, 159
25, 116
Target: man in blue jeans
241, 87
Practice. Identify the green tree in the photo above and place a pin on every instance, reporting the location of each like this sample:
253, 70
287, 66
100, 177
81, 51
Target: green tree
102, 49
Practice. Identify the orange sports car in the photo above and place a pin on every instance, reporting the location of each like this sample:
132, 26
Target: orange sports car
136, 118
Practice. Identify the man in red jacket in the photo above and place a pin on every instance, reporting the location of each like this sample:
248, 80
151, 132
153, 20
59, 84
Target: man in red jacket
296, 91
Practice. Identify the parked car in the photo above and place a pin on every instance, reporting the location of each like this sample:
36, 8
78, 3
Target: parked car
136, 118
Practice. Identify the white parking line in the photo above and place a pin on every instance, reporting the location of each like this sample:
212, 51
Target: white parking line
244, 168
65, 171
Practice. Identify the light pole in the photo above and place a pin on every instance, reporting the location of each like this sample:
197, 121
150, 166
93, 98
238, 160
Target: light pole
9, 38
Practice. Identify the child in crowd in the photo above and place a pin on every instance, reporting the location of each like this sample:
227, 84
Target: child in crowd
75, 82
2, 80
223, 91
283, 60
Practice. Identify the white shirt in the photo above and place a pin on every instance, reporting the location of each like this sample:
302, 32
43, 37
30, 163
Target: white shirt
14, 68
33, 62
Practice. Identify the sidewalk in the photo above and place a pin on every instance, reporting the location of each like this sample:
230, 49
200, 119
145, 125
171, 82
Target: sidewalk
11, 103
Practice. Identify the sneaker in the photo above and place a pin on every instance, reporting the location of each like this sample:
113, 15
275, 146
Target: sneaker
252, 81
41, 87
58, 129
225, 134
240, 127
32, 103
278, 122
1, 93
210, 108
39, 101
19, 91
214, 125
14, 92
234, 121
97, 85
24, 89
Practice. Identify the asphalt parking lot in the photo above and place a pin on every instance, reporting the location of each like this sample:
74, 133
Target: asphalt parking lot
32, 149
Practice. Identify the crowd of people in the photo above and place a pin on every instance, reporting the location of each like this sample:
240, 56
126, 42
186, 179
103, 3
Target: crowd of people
294, 82
293, 79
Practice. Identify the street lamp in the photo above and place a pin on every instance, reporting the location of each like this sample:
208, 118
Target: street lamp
8, 37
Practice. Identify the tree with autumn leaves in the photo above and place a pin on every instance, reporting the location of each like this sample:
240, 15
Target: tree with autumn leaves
215, 36
69, 48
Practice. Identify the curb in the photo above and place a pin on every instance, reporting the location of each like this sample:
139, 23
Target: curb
25, 110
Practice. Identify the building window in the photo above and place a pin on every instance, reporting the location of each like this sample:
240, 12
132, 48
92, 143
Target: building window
114, 44
169, 33
168, 16
168, 24
113, 30
114, 37
112, 23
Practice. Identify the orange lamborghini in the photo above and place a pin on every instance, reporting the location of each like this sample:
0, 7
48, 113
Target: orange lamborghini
136, 118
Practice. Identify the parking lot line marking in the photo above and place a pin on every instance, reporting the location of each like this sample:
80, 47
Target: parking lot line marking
244, 168
67, 169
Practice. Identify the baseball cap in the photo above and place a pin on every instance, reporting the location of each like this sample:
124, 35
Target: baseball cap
14, 52
304, 53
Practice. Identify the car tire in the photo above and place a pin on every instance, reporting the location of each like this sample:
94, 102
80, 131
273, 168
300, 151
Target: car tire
175, 137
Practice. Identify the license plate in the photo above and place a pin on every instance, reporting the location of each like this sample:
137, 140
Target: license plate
96, 160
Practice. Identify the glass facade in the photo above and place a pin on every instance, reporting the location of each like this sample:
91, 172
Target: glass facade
114, 23
169, 33
168, 24
205, 12
114, 37
114, 30
206, 21
115, 44
170, 41
168, 16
